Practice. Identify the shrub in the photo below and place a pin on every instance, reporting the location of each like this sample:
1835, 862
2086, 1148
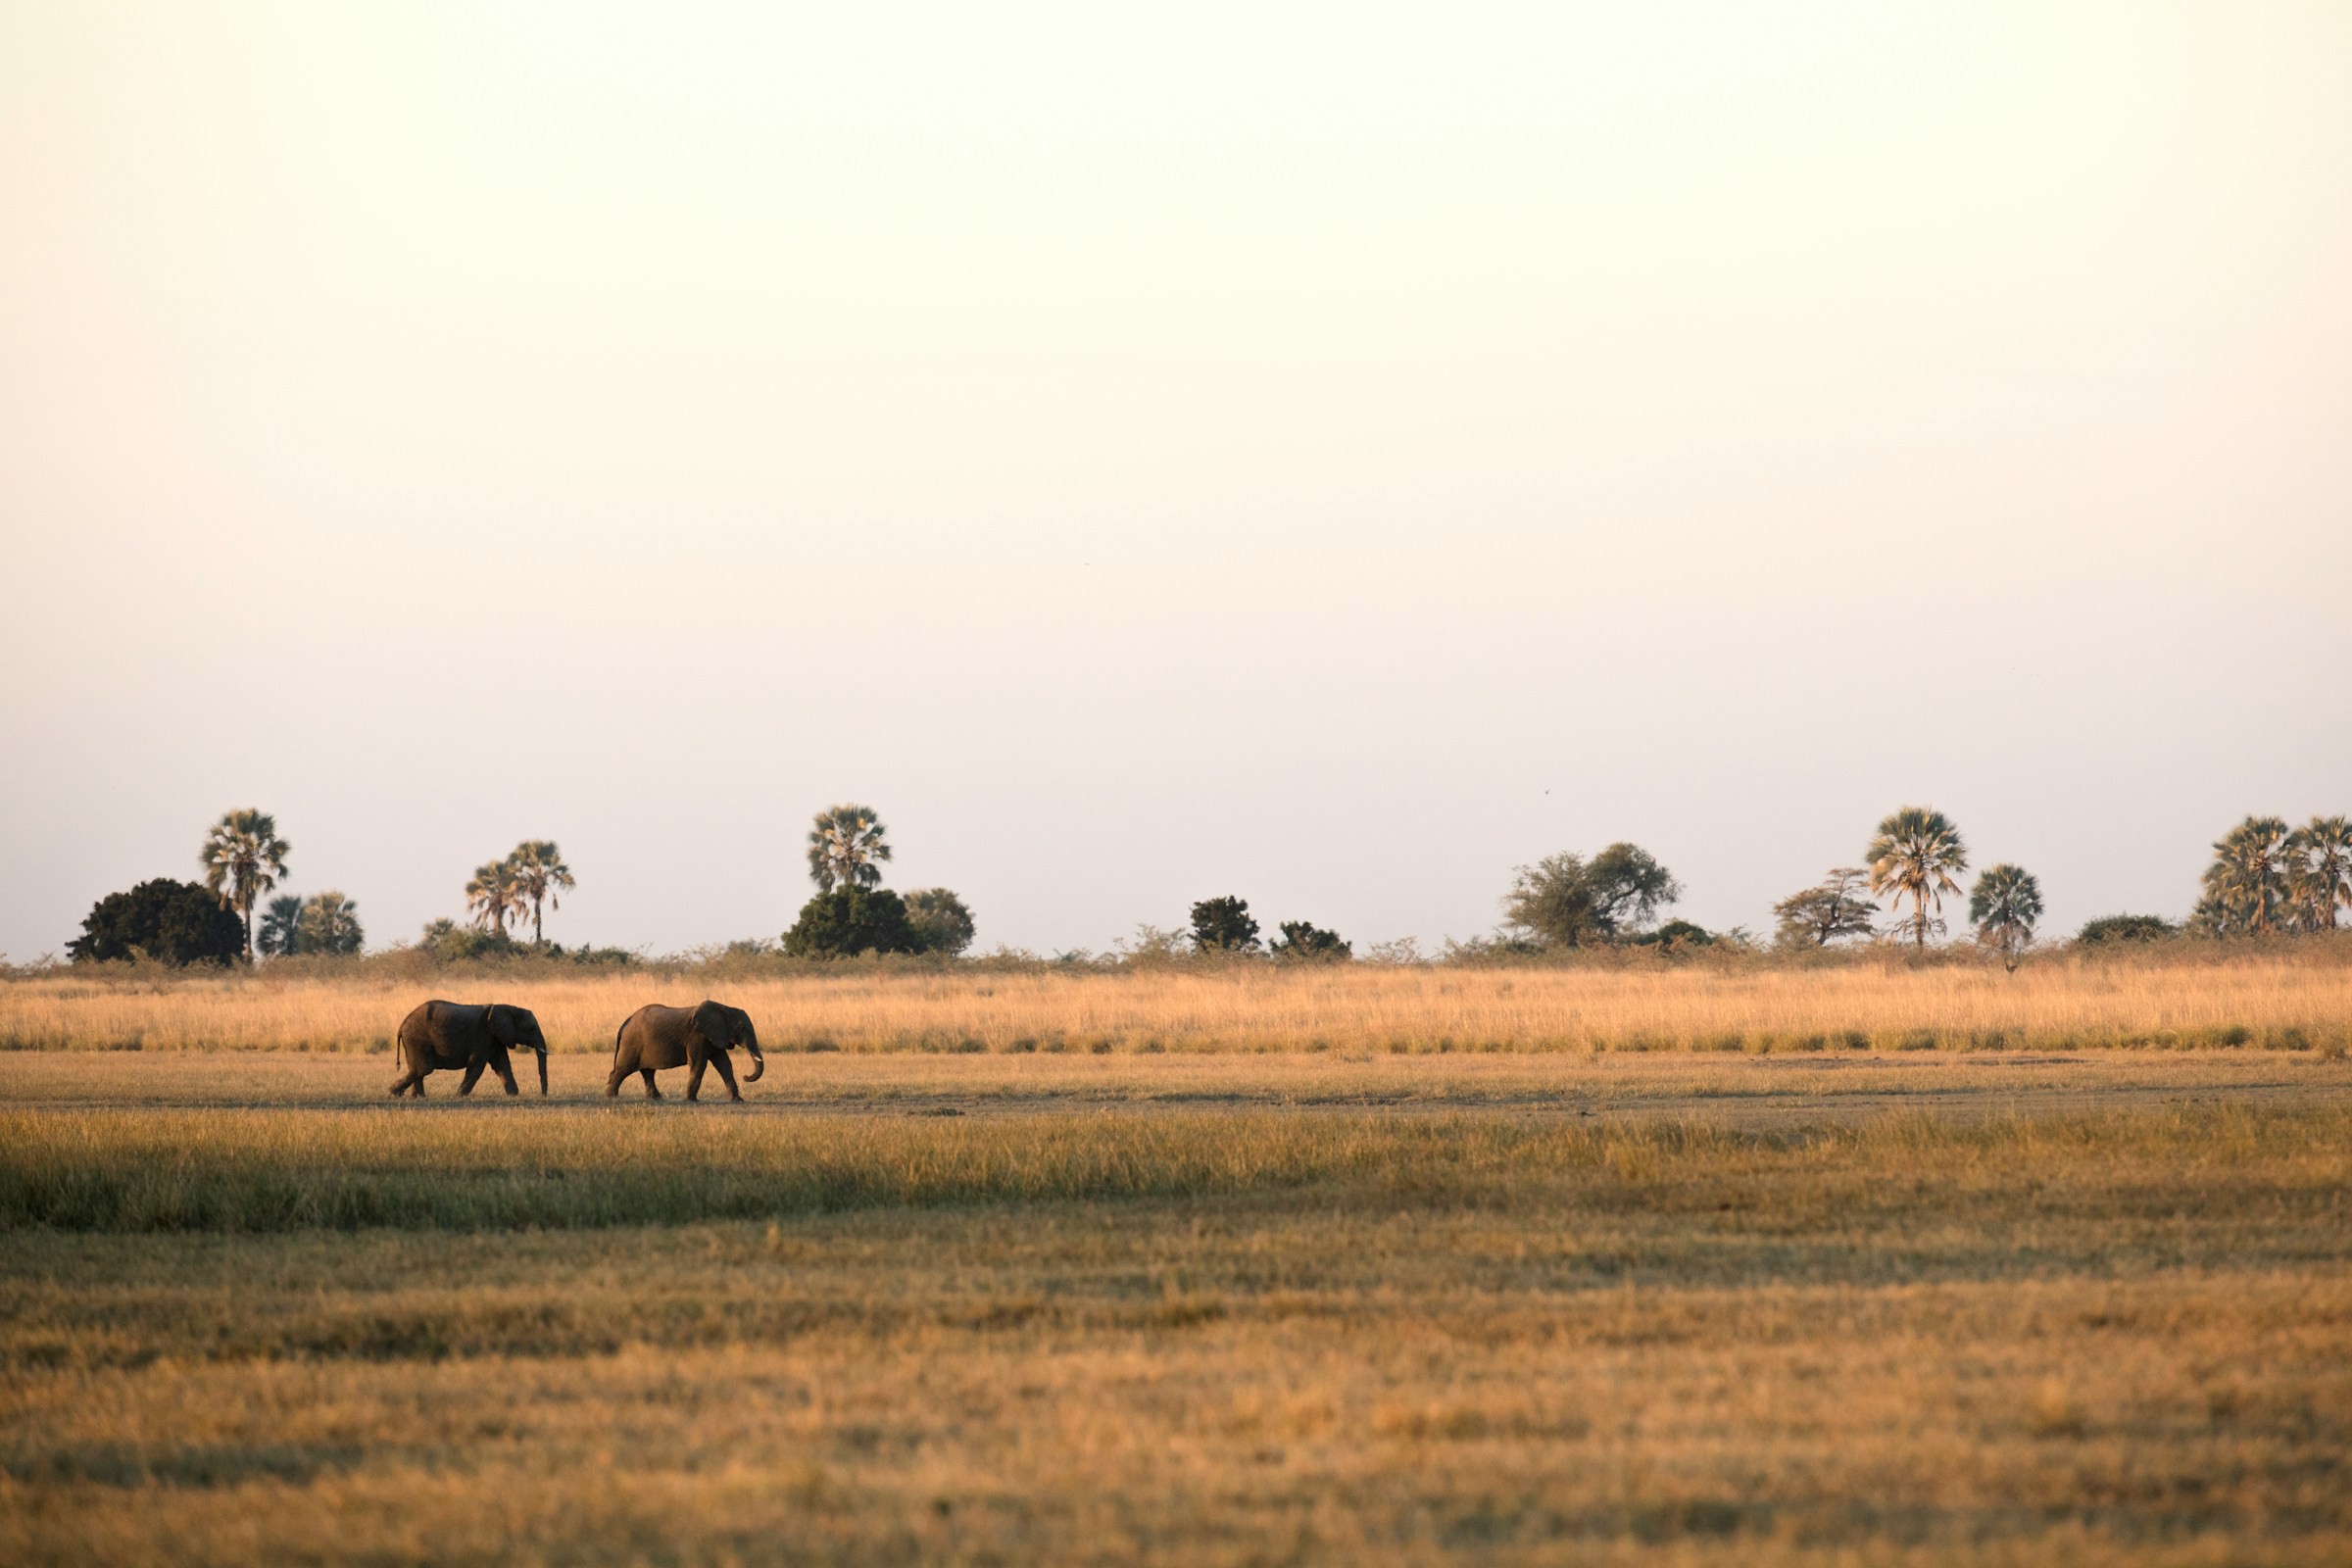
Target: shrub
2127, 928
451, 943
1306, 943
1677, 934
174, 922
849, 921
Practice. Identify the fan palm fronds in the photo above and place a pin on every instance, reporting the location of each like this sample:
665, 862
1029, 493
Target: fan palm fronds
243, 857
1914, 856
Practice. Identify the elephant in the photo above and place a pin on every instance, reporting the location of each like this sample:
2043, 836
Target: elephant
468, 1035
655, 1037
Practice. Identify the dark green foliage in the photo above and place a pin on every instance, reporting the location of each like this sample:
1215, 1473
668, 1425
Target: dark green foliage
1223, 925
1675, 934
1569, 902
176, 922
280, 933
940, 921
2126, 928
849, 921
1304, 942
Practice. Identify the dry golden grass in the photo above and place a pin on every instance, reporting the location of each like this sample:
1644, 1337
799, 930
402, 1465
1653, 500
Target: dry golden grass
1233, 1337
2279, 1000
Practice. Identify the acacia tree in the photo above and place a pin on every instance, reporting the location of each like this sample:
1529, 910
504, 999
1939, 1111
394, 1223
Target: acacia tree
2004, 907
2247, 886
538, 874
2321, 876
1836, 906
845, 848
1914, 856
491, 896
1568, 900
243, 857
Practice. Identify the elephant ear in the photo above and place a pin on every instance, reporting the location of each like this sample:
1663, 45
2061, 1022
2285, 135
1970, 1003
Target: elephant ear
501, 1019
711, 1022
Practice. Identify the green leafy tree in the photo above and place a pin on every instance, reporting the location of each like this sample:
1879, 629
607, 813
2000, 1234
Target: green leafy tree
280, 934
1223, 925
329, 922
2320, 877
2126, 928
171, 922
847, 848
1551, 902
538, 874
2247, 888
2004, 907
490, 895
1914, 856
451, 943
940, 921
243, 857
842, 922
1838, 905
1306, 943
1566, 901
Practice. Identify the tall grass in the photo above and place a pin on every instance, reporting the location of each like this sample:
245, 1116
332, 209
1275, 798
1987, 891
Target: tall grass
2277, 999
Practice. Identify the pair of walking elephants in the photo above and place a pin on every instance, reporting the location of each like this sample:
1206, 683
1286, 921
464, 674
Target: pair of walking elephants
441, 1036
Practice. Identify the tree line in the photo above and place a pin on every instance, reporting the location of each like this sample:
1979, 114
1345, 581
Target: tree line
2264, 878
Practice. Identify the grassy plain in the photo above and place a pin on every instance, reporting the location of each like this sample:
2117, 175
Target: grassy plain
1221, 1309
2191, 996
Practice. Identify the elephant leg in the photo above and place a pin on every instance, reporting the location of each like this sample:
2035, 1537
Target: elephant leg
696, 1061
412, 1079
505, 1069
613, 1080
651, 1093
417, 1088
726, 1072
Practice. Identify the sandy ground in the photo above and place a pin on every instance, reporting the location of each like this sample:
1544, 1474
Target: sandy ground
1732, 1090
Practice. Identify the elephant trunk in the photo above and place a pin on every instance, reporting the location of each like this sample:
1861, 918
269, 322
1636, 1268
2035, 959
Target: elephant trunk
758, 1067
542, 1069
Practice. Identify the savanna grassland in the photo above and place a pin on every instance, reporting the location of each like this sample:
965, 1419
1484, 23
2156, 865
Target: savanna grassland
1214, 1303
2290, 996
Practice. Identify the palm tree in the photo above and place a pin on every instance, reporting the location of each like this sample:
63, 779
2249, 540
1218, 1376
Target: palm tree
2004, 907
539, 872
281, 934
243, 857
1913, 856
2322, 875
2246, 885
491, 896
847, 846
330, 923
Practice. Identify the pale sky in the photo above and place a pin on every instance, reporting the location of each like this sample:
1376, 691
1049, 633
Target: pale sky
1324, 454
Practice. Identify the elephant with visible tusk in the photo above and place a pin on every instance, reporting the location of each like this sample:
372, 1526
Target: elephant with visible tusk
457, 1034
655, 1037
